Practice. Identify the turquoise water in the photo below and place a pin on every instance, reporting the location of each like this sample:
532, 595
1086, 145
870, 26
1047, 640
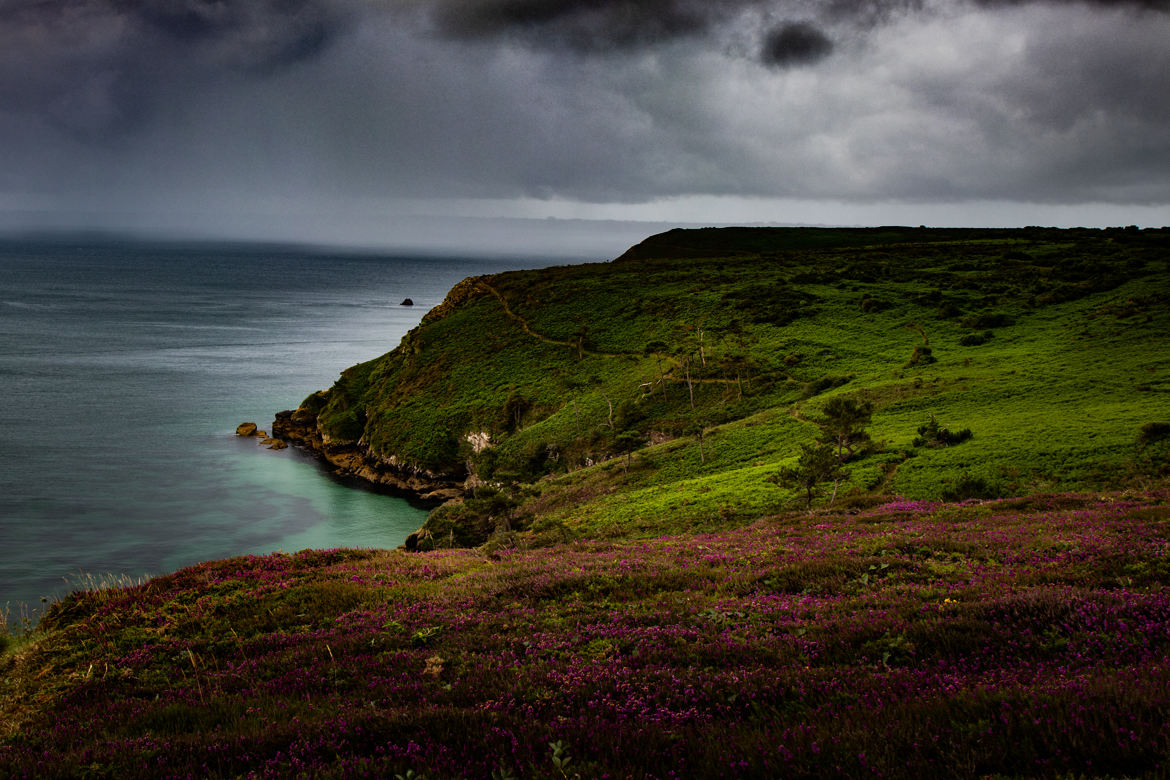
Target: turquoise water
124, 371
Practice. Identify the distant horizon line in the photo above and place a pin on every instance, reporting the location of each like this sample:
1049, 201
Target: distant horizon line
94, 236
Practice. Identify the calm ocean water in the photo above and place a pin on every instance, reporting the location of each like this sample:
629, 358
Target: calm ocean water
124, 371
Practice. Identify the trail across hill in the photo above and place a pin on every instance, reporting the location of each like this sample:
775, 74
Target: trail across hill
581, 348
524, 326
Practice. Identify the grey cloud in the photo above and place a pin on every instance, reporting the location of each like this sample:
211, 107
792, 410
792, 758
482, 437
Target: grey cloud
599, 26
869, 13
795, 43
1149, 5
260, 35
583, 25
221, 109
96, 68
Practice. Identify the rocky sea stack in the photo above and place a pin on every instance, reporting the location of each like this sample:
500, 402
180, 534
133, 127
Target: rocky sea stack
247, 430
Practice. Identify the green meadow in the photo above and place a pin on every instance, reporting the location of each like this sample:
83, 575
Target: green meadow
660, 392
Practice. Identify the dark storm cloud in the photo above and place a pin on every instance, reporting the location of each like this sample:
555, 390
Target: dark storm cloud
584, 25
252, 34
601, 25
329, 108
795, 43
95, 68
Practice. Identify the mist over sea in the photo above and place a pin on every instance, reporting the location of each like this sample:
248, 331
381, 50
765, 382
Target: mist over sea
124, 370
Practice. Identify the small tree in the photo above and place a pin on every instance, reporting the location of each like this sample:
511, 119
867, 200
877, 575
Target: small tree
817, 464
656, 348
697, 430
625, 444
514, 410
843, 425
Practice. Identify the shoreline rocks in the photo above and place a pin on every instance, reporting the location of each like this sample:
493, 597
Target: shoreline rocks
249, 430
353, 460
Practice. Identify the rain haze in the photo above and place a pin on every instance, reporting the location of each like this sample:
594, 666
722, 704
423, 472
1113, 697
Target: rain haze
569, 125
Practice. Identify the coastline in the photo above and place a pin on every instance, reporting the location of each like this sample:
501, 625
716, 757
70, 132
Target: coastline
353, 462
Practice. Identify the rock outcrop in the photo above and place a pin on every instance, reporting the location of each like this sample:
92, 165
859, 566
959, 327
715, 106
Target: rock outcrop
353, 459
247, 429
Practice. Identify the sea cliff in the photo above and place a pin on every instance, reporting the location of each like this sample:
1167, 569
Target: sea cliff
300, 428
668, 389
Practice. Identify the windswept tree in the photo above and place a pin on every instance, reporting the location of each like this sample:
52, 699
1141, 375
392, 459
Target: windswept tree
843, 425
626, 442
657, 348
934, 435
816, 466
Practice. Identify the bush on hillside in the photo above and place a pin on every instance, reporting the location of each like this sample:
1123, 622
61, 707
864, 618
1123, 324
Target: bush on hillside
985, 321
824, 384
976, 339
921, 356
934, 435
969, 486
1153, 433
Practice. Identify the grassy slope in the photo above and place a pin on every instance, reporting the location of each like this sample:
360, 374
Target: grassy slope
1055, 397
737, 637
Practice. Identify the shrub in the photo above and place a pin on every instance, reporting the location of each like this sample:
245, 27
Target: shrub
824, 384
921, 356
934, 435
515, 407
975, 339
1153, 433
347, 425
969, 486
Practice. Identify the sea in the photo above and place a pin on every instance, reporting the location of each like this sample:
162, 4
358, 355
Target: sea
124, 371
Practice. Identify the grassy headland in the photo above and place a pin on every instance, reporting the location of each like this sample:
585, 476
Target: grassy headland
712, 353
638, 595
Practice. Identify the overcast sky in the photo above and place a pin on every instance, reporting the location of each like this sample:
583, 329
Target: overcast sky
362, 121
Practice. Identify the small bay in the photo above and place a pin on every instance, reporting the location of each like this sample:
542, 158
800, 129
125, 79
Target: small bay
124, 370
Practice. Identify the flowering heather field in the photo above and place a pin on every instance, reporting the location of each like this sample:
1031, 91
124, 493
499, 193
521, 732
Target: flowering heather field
1026, 637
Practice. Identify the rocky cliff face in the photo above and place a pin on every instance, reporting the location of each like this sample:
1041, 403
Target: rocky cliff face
299, 427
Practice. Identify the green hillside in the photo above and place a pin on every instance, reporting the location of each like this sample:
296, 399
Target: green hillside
645, 591
713, 353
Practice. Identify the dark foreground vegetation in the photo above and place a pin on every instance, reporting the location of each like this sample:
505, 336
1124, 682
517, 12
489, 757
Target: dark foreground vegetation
758, 503
1024, 637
